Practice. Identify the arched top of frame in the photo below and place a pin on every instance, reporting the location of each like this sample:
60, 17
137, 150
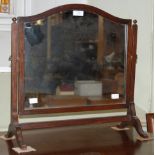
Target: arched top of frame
67, 7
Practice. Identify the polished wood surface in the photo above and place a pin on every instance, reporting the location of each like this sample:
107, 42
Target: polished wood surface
81, 140
150, 122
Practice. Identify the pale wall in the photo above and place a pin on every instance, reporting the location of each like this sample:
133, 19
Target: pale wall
4, 100
40, 6
141, 10
5, 48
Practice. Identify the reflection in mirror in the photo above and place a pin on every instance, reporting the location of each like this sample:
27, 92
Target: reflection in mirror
74, 59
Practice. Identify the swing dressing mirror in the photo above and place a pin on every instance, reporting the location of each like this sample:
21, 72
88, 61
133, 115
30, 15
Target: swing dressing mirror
72, 58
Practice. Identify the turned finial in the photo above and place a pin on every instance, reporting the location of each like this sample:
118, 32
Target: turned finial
14, 19
135, 21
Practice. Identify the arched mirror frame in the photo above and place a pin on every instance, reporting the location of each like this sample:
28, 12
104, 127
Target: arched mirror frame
17, 79
21, 97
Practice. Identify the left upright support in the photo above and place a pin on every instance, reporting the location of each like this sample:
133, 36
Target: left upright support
14, 129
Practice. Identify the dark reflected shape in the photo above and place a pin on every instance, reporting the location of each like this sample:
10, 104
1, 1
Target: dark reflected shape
33, 34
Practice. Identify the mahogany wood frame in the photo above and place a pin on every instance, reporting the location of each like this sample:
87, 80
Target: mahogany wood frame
17, 80
150, 122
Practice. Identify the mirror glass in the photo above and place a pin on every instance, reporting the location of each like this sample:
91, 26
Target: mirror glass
74, 58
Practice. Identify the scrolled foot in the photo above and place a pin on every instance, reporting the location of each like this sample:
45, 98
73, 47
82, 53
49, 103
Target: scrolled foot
11, 131
137, 124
